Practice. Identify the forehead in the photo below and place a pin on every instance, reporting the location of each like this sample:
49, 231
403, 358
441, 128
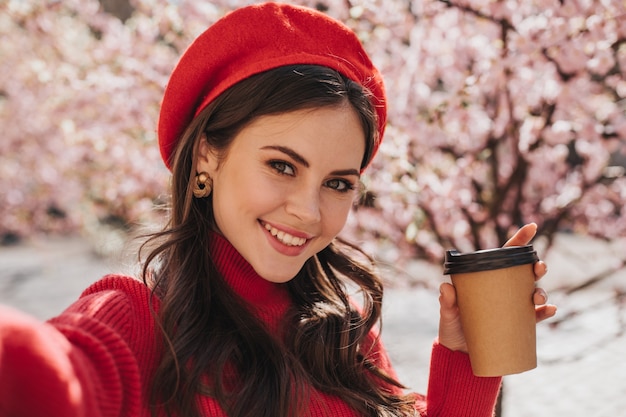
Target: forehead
332, 131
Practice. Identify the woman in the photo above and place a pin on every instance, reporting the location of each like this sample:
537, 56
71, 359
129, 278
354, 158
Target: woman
267, 123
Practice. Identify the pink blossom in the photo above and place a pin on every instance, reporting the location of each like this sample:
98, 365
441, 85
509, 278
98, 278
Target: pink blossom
499, 113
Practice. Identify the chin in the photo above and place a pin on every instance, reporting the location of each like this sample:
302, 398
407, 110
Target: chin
278, 277
278, 269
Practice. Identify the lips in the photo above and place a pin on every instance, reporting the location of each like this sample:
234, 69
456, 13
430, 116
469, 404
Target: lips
284, 237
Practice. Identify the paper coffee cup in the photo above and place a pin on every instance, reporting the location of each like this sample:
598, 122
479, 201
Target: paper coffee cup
494, 290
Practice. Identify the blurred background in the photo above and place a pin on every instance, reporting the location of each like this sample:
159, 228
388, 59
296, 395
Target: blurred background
500, 113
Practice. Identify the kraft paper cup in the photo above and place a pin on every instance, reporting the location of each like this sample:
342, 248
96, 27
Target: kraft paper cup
494, 290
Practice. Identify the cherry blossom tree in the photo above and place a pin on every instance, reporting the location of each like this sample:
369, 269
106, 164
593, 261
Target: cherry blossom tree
500, 113
79, 96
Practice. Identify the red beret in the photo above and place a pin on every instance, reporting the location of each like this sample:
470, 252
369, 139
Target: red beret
254, 39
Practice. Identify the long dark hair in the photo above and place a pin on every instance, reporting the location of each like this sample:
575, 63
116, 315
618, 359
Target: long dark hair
207, 331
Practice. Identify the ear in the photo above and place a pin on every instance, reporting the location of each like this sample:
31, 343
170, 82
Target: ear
206, 158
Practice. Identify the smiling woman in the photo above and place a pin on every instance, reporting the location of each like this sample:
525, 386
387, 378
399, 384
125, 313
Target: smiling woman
267, 123
283, 169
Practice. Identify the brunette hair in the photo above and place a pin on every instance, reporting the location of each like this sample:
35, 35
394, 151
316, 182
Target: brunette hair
207, 331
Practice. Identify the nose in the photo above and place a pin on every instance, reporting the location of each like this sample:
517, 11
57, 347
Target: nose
305, 205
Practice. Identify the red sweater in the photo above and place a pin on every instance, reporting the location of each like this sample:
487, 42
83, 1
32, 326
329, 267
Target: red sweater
96, 358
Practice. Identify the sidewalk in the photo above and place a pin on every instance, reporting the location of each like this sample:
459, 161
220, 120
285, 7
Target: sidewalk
581, 372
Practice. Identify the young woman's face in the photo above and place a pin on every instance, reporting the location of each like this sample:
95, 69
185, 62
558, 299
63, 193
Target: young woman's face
286, 185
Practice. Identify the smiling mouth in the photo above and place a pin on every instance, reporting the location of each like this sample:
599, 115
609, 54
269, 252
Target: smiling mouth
284, 238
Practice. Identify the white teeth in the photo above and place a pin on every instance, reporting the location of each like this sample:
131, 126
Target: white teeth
285, 238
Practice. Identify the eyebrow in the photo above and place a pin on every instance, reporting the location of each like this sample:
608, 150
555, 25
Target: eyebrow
302, 161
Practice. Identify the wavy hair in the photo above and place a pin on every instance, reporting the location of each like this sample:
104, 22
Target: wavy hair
207, 330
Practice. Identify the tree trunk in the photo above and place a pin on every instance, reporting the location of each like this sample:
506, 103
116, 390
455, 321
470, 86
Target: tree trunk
499, 402
122, 9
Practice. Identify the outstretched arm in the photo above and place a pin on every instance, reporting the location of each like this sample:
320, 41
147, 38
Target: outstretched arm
38, 372
81, 363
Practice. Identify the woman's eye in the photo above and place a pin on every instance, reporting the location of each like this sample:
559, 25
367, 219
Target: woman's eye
340, 185
282, 167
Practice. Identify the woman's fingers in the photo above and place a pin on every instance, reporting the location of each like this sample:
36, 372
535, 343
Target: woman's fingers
540, 297
540, 269
544, 312
523, 236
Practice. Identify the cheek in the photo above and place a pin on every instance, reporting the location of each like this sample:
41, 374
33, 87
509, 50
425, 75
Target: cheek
260, 192
244, 195
335, 215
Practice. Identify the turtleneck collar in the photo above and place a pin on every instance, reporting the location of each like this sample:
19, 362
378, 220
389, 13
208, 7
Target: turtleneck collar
260, 293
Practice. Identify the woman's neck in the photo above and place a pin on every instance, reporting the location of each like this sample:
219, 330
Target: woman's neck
267, 298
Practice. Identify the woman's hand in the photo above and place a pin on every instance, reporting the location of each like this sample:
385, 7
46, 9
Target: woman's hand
450, 330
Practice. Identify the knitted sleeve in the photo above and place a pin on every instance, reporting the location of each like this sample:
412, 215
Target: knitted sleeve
91, 361
453, 390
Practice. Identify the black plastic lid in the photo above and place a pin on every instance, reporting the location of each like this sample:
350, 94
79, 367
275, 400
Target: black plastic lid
488, 259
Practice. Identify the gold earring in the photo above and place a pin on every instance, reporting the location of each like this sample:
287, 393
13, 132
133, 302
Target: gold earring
203, 185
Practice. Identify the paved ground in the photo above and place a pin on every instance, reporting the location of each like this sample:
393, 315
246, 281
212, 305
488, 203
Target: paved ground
581, 372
